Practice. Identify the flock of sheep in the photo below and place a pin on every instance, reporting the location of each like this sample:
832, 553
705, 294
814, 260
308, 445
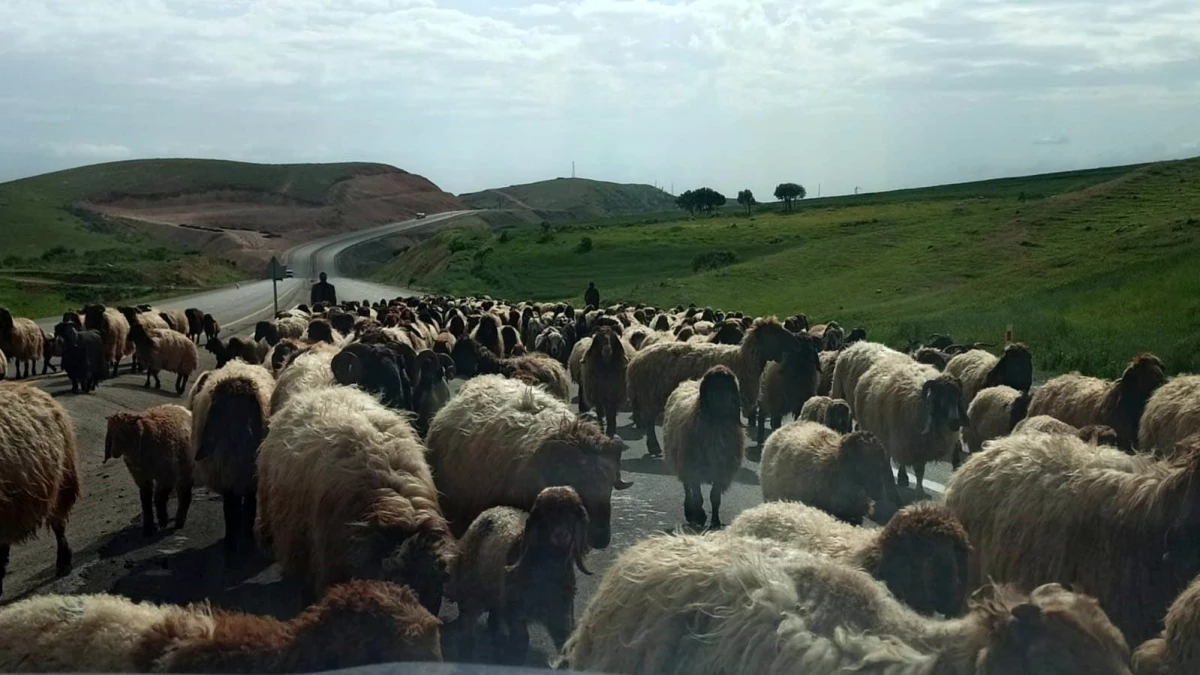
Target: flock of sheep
1068, 534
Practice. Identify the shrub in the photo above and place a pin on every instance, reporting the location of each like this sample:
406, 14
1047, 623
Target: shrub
713, 260
584, 246
504, 237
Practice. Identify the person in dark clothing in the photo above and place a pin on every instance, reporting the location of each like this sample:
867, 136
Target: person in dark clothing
591, 296
323, 291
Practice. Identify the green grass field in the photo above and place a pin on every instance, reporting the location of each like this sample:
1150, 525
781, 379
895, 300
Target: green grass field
1088, 267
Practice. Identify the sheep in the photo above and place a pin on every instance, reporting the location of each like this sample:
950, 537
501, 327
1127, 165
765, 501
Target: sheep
51, 348
310, 370
855, 361
431, 392
114, 328
512, 341
375, 369
195, 322
471, 358
21, 340
857, 334
234, 348
1171, 415
832, 412
1174, 652
212, 328
520, 568
156, 447
499, 442
1096, 434
977, 369
176, 320
846, 476
165, 350
487, 334
703, 605
38, 469
1050, 506
287, 327
727, 333
551, 343
575, 368
993, 413
321, 330
1080, 401
932, 357
831, 336
283, 353
358, 623
345, 492
603, 376
83, 357
788, 384
655, 371
920, 554
703, 439
828, 363
916, 411
230, 417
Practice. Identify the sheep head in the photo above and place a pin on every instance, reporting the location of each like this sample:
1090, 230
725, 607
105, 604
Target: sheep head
342, 322
838, 418
857, 334
922, 558
467, 353
770, 339
557, 528
728, 333
1014, 369
1127, 398
419, 560
1099, 434
266, 330
931, 357
866, 473
284, 353
320, 330
578, 454
123, 429
942, 403
6, 321
719, 396
1061, 631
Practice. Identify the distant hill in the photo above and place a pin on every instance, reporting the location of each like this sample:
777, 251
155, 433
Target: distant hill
572, 199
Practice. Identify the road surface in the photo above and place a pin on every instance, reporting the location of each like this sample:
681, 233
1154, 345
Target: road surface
187, 565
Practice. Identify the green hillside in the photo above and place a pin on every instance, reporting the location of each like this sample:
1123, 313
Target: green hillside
1088, 267
572, 199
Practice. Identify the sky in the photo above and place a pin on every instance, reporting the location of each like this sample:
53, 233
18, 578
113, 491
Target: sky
732, 94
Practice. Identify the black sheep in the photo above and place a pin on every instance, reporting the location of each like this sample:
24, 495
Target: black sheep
377, 369
82, 356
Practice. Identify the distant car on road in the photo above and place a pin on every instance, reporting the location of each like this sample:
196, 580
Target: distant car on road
420, 215
289, 274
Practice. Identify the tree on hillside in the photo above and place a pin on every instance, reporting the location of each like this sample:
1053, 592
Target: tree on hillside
789, 192
746, 199
687, 201
701, 199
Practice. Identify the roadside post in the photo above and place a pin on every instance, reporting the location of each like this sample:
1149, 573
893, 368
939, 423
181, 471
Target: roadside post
275, 269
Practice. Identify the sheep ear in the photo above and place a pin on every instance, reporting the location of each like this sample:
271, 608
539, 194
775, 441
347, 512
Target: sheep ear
347, 368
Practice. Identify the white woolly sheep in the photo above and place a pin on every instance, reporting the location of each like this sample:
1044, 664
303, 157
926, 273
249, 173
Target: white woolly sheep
519, 567
1176, 651
915, 411
1126, 529
708, 605
655, 371
38, 469
1171, 415
921, 553
230, 417
853, 362
977, 369
845, 476
994, 412
828, 363
310, 370
356, 624
703, 440
832, 412
167, 350
156, 447
1080, 401
1096, 434
575, 369
345, 492
114, 329
151, 323
22, 341
500, 442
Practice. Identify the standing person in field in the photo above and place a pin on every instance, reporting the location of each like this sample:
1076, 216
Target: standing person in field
591, 297
323, 291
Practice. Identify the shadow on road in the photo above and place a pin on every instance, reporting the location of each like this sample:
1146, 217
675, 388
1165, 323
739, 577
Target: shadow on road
167, 392
197, 574
657, 466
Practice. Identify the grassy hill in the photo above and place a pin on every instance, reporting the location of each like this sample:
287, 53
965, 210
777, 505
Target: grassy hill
1088, 267
572, 199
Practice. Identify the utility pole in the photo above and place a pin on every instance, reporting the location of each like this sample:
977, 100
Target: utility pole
572, 168
818, 190
275, 269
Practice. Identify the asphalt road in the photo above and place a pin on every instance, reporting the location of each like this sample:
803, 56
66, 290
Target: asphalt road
111, 555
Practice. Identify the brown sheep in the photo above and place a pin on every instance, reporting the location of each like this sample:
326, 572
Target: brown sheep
828, 363
38, 469
1080, 401
1171, 415
499, 442
977, 370
1126, 534
156, 447
471, 358
176, 320
520, 568
932, 357
212, 328
994, 412
512, 341
832, 412
1175, 652
603, 376
921, 553
703, 439
788, 384
655, 371
235, 348
195, 321
487, 334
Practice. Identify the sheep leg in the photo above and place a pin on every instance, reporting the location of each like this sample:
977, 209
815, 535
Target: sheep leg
610, 421
761, 423
4, 549
776, 421
652, 447
157, 382
148, 376
714, 498
146, 491
62, 561
697, 499
583, 406
518, 642
160, 506
562, 623
181, 383
919, 470
901, 476
183, 494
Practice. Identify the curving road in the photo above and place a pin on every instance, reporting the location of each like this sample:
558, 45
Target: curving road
188, 566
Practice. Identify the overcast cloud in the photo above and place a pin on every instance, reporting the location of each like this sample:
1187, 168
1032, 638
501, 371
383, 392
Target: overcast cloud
729, 93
